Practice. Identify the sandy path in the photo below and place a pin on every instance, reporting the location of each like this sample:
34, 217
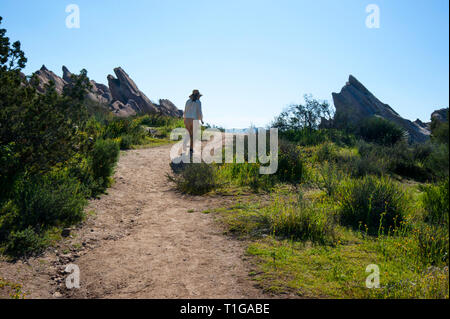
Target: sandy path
143, 243
168, 252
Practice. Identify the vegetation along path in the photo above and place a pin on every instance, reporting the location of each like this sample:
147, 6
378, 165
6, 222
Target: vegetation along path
144, 240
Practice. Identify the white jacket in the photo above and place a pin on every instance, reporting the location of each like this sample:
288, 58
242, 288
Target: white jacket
193, 110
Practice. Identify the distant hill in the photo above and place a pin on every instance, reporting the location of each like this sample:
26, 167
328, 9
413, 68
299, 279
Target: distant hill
122, 97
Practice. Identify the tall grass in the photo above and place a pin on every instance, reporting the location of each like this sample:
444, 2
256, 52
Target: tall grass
298, 220
436, 203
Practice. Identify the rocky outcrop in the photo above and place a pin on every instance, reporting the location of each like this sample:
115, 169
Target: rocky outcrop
122, 96
99, 93
44, 76
124, 90
168, 108
440, 115
355, 103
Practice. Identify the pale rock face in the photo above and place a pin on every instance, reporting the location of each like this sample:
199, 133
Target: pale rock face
355, 103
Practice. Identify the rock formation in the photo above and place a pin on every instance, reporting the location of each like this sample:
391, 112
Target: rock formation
99, 93
355, 103
124, 90
122, 96
44, 76
169, 108
440, 115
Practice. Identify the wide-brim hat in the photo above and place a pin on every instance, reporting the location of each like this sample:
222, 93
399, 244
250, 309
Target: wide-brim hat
195, 93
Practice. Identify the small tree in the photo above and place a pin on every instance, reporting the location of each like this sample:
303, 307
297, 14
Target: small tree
304, 116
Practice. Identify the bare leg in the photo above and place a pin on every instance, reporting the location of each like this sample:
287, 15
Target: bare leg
189, 124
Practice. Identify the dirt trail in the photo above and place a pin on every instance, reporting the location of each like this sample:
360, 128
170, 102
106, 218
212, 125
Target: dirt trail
143, 242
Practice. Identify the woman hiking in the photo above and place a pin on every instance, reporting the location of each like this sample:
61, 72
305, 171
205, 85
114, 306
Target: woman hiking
192, 112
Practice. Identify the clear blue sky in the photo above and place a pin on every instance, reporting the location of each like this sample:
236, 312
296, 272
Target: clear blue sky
249, 58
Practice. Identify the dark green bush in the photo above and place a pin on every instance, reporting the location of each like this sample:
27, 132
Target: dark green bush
126, 141
195, 178
381, 131
400, 159
39, 202
291, 168
369, 161
103, 158
326, 152
437, 163
340, 137
367, 165
9, 219
304, 136
421, 152
25, 243
54, 199
372, 204
435, 201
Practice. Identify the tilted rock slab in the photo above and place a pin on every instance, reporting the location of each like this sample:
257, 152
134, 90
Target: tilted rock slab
355, 102
122, 97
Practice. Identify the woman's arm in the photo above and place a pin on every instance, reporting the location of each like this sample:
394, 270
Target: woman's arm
186, 109
199, 111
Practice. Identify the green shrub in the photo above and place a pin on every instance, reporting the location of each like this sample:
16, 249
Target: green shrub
9, 218
438, 162
125, 142
398, 159
103, 158
290, 165
375, 204
330, 178
435, 200
40, 203
195, 178
402, 161
247, 174
370, 162
381, 131
80, 168
367, 165
54, 199
24, 243
326, 152
340, 137
160, 121
94, 129
304, 136
421, 152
